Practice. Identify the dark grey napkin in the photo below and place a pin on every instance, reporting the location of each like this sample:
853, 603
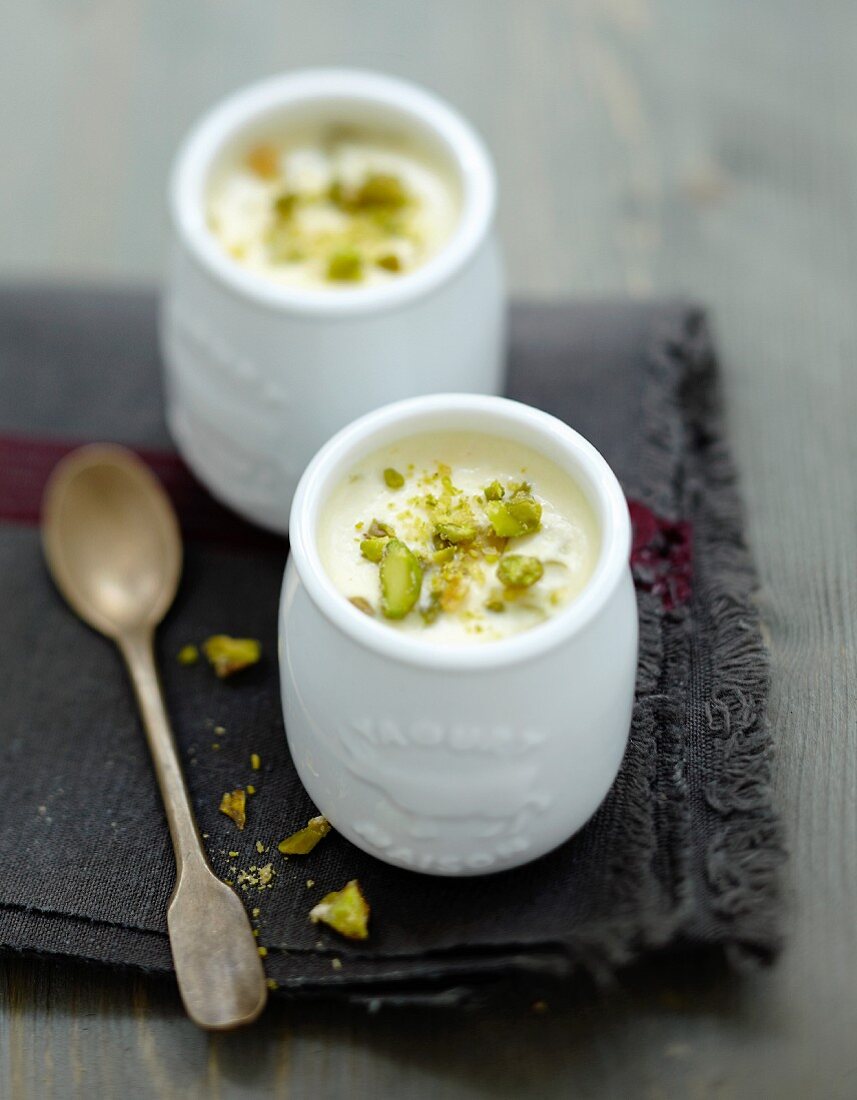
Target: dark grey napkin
684, 852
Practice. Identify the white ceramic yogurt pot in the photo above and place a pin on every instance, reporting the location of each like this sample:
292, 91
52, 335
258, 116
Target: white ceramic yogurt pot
258, 374
467, 759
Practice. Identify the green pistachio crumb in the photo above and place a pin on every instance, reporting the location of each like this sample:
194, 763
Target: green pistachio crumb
345, 910
188, 655
284, 205
495, 605
389, 262
304, 840
401, 580
345, 265
393, 479
453, 532
494, 491
520, 515
519, 571
372, 549
381, 191
441, 557
378, 530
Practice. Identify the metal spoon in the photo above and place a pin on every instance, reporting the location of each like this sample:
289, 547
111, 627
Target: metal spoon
113, 546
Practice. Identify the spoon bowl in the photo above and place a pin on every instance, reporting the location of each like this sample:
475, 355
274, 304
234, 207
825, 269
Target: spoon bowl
112, 540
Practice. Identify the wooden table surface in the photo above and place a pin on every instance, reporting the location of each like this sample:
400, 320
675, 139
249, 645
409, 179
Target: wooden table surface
644, 147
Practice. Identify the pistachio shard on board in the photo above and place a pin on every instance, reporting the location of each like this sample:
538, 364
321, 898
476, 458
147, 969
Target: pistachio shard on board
234, 805
188, 655
346, 911
401, 580
228, 655
304, 840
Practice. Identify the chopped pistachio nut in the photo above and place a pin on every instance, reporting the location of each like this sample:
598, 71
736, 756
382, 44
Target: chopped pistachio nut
234, 805
250, 789
519, 571
304, 840
379, 530
381, 191
188, 655
255, 761
345, 265
496, 606
401, 580
346, 911
229, 655
362, 604
520, 514
451, 531
373, 549
271, 984
494, 491
284, 205
393, 479
442, 557
389, 262
263, 951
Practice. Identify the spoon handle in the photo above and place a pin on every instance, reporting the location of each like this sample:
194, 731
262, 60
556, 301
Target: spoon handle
219, 971
137, 651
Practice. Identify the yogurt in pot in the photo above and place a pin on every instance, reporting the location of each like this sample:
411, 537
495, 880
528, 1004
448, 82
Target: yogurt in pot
459, 537
334, 210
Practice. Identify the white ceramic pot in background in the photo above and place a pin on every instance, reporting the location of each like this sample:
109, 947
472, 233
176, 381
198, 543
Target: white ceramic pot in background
259, 375
467, 759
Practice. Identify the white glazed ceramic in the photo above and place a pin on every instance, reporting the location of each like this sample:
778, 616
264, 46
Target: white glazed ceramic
468, 759
259, 375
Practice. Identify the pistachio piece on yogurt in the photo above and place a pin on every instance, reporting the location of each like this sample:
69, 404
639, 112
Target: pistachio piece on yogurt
520, 515
378, 530
372, 549
345, 265
456, 532
393, 479
494, 491
519, 570
401, 579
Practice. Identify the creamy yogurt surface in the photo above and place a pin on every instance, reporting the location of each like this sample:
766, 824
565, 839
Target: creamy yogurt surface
458, 538
334, 210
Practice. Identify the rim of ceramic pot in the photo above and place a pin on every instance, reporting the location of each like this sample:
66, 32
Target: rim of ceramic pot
496, 416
